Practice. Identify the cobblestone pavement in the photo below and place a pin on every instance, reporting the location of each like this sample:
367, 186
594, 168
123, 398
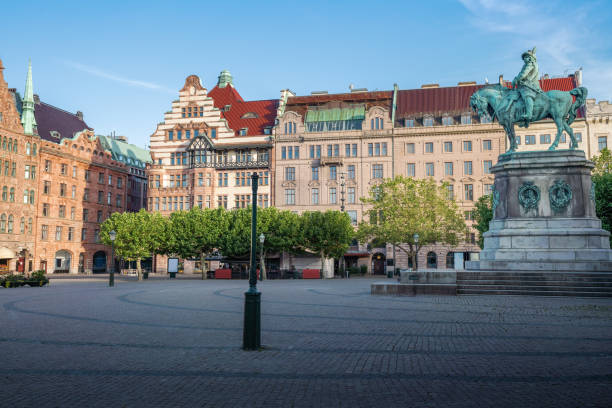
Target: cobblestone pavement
327, 344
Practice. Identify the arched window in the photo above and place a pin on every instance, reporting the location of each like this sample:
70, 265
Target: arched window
34, 149
10, 224
12, 195
28, 148
4, 193
31, 196
10, 145
3, 223
25, 196
4, 143
450, 260
15, 147
22, 225
432, 260
30, 226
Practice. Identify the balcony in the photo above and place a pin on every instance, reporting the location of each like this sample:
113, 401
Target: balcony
331, 160
241, 165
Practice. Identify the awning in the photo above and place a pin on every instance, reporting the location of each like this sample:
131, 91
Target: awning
6, 253
357, 254
331, 115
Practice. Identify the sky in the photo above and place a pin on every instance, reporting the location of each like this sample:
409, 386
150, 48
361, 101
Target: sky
122, 62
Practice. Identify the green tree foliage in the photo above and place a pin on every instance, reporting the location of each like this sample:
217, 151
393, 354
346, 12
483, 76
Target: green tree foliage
483, 214
602, 178
404, 206
281, 231
138, 235
236, 241
603, 163
327, 234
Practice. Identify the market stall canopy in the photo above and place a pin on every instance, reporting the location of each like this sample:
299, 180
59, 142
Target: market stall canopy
6, 253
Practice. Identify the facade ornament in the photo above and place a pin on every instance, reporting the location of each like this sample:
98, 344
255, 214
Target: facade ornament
560, 195
529, 195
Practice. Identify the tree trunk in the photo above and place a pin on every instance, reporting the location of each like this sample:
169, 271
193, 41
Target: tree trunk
262, 261
413, 257
322, 266
202, 256
139, 269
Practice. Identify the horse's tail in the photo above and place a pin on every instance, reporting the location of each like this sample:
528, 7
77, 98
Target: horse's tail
581, 94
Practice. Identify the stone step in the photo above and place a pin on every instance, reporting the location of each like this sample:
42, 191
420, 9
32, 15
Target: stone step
477, 275
522, 292
525, 287
535, 283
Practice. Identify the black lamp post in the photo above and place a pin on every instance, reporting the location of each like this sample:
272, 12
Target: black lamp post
251, 334
416, 248
262, 266
111, 276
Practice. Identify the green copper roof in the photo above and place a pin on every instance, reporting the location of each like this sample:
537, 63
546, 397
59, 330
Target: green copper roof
27, 115
125, 152
225, 78
330, 115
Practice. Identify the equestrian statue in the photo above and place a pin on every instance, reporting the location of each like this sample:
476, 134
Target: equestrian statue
526, 103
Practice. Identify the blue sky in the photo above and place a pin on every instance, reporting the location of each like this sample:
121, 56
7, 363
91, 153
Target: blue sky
123, 62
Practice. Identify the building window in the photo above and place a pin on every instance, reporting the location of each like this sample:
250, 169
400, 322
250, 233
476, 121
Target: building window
332, 172
602, 142
44, 232
109, 198
529, 139
85, 215
429, 147
290, 173
447, 120
314, 196
488, 188
64, 169
290, 196
467, 168
353, 216
408, 122
376, 124
315, 173
466, 119
487, 166
12, 195
73, 192
58, 233
410, 169
518, 139
469, 192
486, 145
578, 136
351, 172
448, 168
45, 210
332, 195
62, 211
351, 195
451, 192
428, 121
97, 235
467, 145
377, 171
70, 233
409, 148
448, 147
545, 139
429, 169
179, 135
485, 119
432, 260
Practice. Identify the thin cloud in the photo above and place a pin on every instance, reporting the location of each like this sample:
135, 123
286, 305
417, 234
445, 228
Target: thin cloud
102, 74
563, 34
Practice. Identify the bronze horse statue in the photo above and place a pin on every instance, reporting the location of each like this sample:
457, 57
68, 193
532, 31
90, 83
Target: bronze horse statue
556, 105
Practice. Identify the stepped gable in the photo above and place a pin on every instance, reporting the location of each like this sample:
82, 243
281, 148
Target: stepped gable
51, 119
300, 104
455, 100
9, 115
264, 110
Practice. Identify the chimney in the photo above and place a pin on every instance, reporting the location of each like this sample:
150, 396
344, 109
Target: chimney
36, 99
501, 79
546, 76
578, 76
428, 86
79, 115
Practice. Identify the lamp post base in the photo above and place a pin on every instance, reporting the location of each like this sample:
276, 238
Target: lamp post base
111, 279
251, 335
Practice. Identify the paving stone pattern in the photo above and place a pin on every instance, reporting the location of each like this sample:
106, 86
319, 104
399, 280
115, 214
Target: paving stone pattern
327, 344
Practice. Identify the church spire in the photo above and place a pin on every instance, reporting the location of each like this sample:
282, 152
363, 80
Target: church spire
27, 116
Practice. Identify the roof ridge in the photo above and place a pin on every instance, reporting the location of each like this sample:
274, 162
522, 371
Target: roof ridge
63, 110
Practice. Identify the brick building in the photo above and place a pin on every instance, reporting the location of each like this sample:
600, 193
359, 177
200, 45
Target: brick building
206, 148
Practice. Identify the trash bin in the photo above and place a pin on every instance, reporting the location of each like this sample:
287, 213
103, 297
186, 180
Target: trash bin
172, 275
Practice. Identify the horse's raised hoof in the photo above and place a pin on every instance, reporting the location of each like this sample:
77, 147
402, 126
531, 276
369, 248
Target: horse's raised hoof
552, 148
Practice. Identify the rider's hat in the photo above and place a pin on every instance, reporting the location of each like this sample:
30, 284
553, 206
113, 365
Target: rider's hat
531, 53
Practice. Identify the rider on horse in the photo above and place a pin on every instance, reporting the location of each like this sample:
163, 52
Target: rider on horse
527, 85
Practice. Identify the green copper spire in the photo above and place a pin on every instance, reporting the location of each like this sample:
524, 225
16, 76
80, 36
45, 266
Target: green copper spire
27, 116
225, 78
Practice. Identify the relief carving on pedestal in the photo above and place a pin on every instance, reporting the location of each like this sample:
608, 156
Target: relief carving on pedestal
529, 195
560, 195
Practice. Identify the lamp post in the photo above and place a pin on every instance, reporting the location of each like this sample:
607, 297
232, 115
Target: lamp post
111, 277
416, 246
262, 261
342, 185
251, 334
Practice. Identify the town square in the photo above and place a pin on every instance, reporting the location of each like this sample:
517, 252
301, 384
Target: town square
290, 205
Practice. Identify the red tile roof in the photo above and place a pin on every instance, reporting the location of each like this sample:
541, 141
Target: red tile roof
456, 99
264, 110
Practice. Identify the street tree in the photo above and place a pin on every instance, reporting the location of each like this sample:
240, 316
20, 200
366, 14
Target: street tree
602, 179
483, 214
281, 231
404, 206
327, 234
235, 242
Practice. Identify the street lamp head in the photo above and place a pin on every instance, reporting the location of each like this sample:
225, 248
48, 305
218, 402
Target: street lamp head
416, 238
262, 238
112, 235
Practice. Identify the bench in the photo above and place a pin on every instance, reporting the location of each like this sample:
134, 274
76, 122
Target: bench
311, 274
223, 274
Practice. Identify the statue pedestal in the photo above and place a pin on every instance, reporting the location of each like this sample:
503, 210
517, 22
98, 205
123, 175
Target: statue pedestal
544, 217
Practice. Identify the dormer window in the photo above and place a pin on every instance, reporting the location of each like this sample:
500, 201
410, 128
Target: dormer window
485, 119
250, 115
428, 121
226, 108
55, 134
447, 120
466, 119
376, 124
290, 128
243, 131
409, 122
267, 131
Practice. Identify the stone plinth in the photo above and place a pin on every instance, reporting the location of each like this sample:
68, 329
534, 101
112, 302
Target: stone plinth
544, 216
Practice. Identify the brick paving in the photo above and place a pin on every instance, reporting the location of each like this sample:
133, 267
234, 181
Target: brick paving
327, 344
